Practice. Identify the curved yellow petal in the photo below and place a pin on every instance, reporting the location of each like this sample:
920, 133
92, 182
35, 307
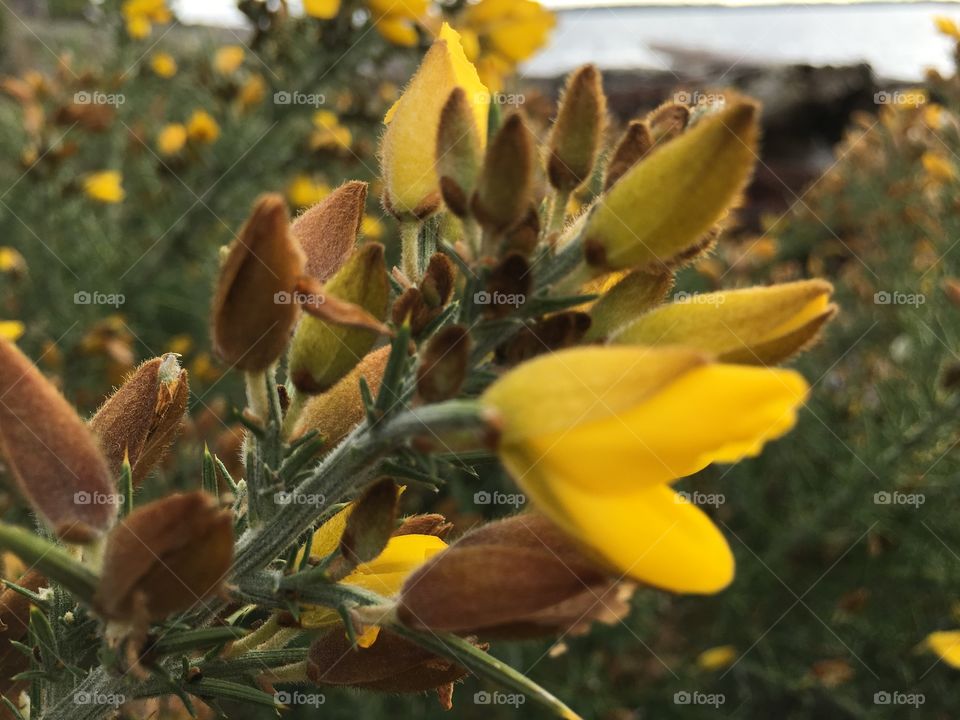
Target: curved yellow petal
946, 644
397, 30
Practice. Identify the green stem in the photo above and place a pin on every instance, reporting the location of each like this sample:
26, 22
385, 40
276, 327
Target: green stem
293, 673
51, 560
558, 211
410, 249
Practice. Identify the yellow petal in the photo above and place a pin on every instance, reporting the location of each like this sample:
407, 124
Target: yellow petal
410, 9
611, 421
761, 325
409, 144
11, 330
397, 30
105, 186
228, 59
321, 9
171, 139
202, 127
667, 203
717, 658
946, 644
947, 27
163, 64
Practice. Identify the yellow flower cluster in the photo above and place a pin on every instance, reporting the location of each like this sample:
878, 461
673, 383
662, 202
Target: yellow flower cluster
141, 15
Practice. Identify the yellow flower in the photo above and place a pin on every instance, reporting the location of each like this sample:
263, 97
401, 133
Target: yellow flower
717, 658
321, 9
163, 64
140, 15
202, 127
303, 191
171, 139
938, 168
252, 91
383, 575
595, 435
504, 33
228, 59
396, 20
329, 133
11, 330
946, 644
409, 144
11, 261
947, 27
371, 227
105, 186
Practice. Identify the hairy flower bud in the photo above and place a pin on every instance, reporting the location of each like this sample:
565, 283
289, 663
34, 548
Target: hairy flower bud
165, 557
578, 130
51, 454
252, 311
630, 294
327, 232
323, 351
634, 144
459, 152
143, 416
443, 368
506, 183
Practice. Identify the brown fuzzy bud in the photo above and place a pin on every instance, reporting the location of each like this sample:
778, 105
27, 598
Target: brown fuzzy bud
558, 331
143, 416
252, 312
327, 232
667, 121
578, 130
443, 368
371, 523
634, 144
438, 281
508, 286
337, 411
391, 664
506, 182
427, 524
523, 237
519, 576
165, 557
51, 454
459, 152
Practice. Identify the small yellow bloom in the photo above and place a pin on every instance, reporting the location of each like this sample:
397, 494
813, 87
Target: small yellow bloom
11, 261
397, 30
138, 27
409, 144
163, 64
202, 127
228, 59
180, 344
171, 139
595, 435
717, 658
303, 191
329, 133
11, 330
140, 15
321, 9
252, 91
938, 168
371, 227
946, 644
105, 186
947, 27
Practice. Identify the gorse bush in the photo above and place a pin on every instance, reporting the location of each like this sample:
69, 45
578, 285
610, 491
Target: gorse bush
510, 332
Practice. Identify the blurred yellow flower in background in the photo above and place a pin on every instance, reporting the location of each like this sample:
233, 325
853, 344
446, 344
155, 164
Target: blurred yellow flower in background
140, 16
303, 191
228, 59
946, 644
105, 186
329, 133
371, 227
497, 35
717, 658
163, 64
252, 92
171, 139
938, 168
11, 261
321, 9
947, 27
202, 127
395, 20
11, 330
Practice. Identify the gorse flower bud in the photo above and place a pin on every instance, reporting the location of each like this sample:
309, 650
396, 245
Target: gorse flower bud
516, 577
628, 294
251, 319
578, 130
327, 232
459, 152
166, 556
635, 143
324, 350
143, 417
665, 205
667, 121
443, 368
594, 435
409, 148
51, 454
505, 187
763, 325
